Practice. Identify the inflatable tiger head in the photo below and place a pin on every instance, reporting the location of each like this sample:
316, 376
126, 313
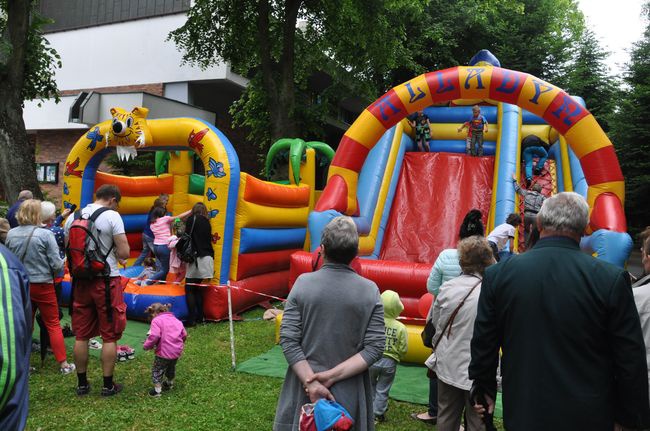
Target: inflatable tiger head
128, 130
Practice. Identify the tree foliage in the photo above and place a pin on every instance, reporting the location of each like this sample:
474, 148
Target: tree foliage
534, 36
282, 45
588, 76
41, 60
631, 131
364, 48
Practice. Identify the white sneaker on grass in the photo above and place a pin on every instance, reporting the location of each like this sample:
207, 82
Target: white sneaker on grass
67, 369
94, 344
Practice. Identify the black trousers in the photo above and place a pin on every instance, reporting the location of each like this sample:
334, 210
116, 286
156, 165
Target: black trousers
495, 250
194, 299
433, 397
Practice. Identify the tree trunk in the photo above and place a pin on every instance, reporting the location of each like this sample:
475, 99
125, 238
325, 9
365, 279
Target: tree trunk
17, 155
287, 90
278, 79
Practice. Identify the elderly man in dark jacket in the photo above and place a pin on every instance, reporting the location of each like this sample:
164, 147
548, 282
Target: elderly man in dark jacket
573, 351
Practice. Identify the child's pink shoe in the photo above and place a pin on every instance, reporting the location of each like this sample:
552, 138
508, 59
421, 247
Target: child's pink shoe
125, 353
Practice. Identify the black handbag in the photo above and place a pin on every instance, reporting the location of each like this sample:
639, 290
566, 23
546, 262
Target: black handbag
427, 334
185, 247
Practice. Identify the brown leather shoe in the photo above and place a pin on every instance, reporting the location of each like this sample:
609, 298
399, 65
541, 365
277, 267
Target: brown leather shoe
429, 420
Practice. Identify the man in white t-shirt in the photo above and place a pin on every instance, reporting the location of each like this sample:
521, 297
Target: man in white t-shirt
91, 299
502, 234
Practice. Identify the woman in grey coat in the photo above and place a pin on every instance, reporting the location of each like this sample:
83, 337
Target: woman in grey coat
37, 250
332, 331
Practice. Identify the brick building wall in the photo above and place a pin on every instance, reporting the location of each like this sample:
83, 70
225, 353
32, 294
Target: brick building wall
53, 146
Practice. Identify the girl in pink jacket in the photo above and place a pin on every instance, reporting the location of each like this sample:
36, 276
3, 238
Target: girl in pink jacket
167, 335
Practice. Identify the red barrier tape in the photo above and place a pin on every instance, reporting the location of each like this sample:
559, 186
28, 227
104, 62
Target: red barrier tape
214, 286
222, 286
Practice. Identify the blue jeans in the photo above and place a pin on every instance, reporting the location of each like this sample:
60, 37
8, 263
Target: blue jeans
528, 155
382, 374
147, 247
162, 255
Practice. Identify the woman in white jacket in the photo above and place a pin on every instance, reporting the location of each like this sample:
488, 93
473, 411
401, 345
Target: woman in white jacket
454, 312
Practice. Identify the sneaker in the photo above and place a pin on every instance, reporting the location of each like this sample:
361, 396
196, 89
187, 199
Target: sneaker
67, 369
153, 393
127, 351
109, 392
167, 386
83, 390
94, 344
122, 356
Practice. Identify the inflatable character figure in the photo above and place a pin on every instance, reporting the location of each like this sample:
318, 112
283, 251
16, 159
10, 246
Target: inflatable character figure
128, 130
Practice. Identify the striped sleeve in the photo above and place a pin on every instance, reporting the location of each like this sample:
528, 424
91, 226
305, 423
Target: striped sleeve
7, 335
15, 341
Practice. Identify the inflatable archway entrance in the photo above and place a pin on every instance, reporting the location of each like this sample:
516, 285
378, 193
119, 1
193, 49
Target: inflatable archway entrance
219, 194
591, 145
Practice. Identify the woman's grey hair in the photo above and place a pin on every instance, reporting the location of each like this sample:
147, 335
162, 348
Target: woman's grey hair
340, 240
48, 210
474, 255
564, 212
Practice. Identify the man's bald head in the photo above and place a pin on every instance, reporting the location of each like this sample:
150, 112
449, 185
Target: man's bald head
25, 194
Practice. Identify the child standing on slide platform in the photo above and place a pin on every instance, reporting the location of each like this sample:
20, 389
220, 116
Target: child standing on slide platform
477, 126
422, 126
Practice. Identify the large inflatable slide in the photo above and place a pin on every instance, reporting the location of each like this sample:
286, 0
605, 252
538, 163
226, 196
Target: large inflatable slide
408, 205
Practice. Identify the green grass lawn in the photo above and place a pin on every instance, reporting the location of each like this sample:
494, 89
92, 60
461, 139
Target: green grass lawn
207, 395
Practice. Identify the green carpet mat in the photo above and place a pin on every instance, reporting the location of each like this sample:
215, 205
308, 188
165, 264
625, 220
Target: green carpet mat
410, 383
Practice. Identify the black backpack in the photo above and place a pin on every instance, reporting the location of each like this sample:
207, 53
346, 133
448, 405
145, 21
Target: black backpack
185, 247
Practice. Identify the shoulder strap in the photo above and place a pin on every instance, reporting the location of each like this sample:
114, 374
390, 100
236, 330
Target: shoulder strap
97, 213
93, 217
22, 258
453, 315
642, 281
193, 224
196, 261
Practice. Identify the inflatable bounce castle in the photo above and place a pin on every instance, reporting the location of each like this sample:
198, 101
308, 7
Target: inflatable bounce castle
256, 225
407, 205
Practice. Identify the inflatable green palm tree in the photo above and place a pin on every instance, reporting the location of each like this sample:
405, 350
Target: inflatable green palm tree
292, 151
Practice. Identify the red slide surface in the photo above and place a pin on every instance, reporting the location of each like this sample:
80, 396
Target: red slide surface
434, 192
